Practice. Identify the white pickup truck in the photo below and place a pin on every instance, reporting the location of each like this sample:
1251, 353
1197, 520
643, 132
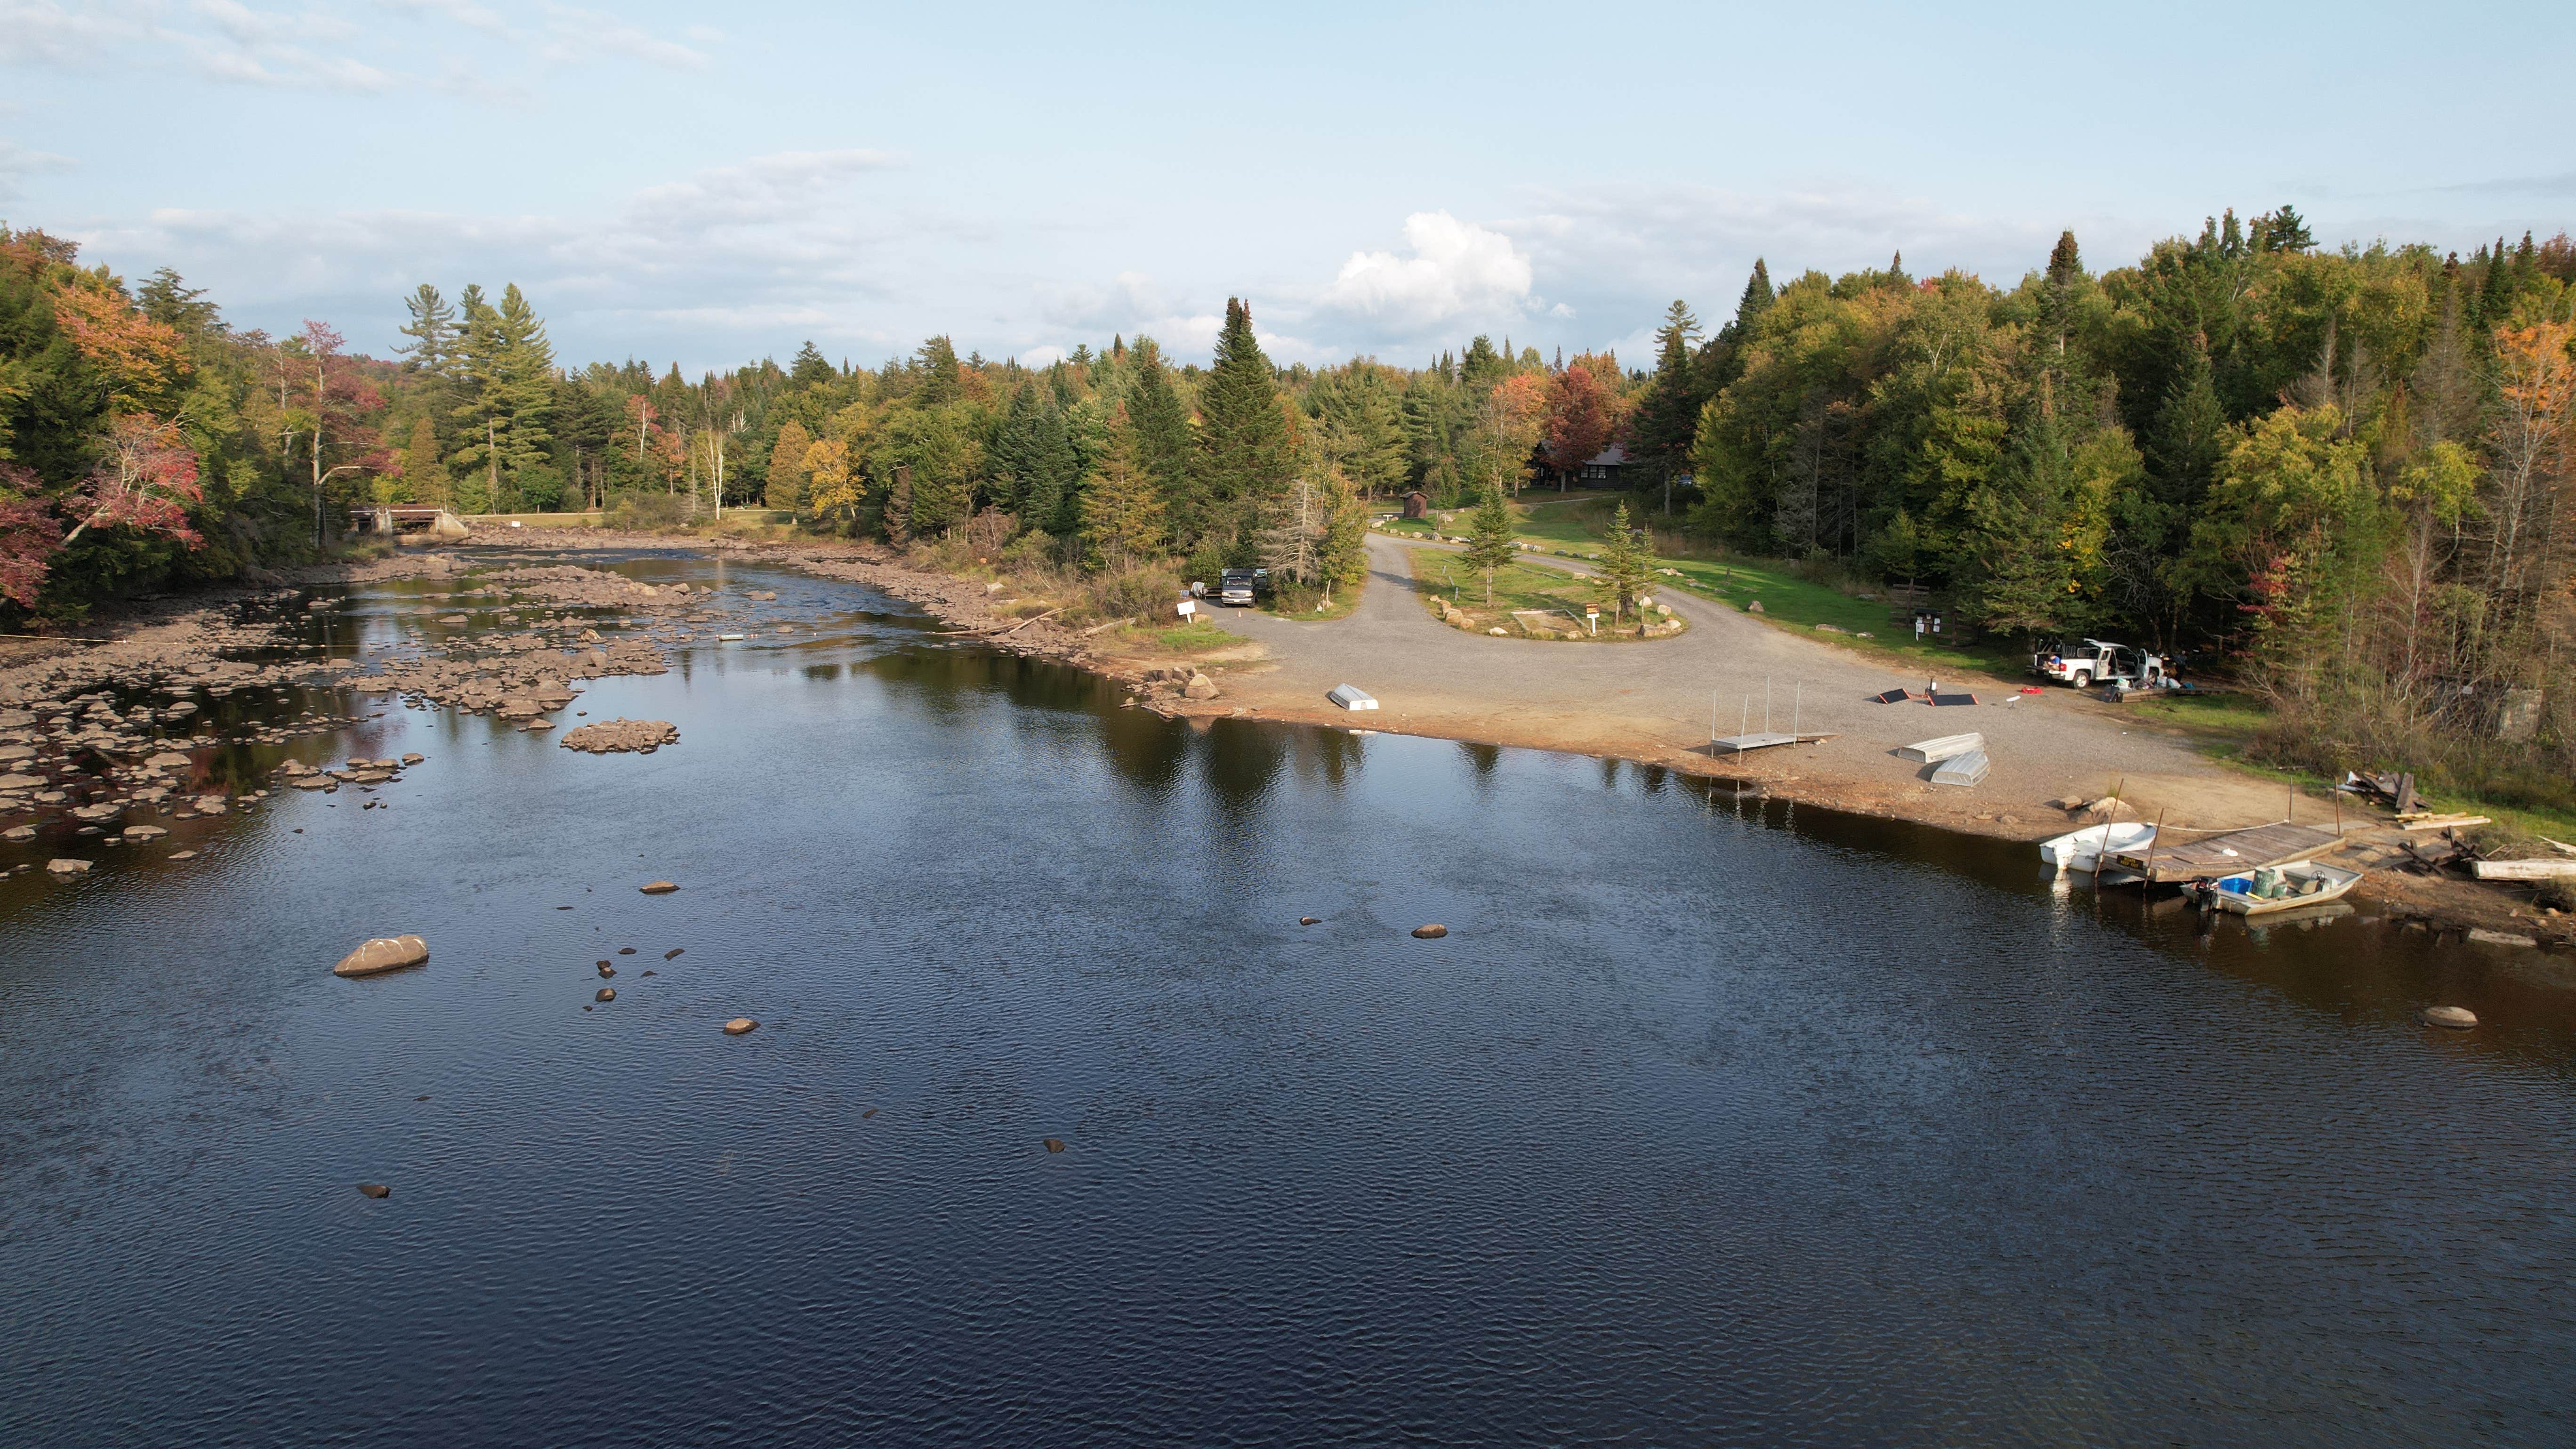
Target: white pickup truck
2088, 660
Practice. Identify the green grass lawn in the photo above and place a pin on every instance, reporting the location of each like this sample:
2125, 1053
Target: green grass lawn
1195, 637
1440, 575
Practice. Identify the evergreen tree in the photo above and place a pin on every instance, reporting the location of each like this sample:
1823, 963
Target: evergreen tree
1667, 417
1158, 426
2065, 261
432, 331
1013, 460
1624, 565
2495, 294
810, 368
942, 381
1243, 437
1490, 542
424, 476
1122, 510
786, 490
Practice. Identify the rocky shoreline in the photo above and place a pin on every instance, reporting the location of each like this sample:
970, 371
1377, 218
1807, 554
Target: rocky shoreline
544, 636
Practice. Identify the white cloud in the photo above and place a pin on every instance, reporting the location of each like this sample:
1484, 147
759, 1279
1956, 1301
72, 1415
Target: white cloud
1046, 356
320, 47
1457, 270
17, 161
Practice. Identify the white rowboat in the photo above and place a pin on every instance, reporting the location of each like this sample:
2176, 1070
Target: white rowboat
2307, 883
2083, 849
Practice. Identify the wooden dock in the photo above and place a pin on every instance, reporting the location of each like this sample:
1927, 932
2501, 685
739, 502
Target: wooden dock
2166, 862
1759, 740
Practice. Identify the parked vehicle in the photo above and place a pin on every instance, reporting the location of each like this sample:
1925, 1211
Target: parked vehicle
1234, 588
2088, 660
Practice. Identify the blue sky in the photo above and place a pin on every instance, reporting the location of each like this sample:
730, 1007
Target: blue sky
708, 184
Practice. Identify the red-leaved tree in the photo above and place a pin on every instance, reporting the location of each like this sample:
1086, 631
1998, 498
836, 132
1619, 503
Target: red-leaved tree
144, 480
1580, 418
30, 536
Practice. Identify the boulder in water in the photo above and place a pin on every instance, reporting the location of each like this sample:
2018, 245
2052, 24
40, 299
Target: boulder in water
1054, 1144
606, 993
658, 888
2457, 1017
66, 866
739, 1025
385, 953
375, 1189
1432, 932
1199, 687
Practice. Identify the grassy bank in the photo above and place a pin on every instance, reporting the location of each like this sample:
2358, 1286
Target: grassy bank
1457, 595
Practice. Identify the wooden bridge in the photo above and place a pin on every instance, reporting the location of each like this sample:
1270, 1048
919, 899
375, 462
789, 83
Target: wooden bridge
389, 520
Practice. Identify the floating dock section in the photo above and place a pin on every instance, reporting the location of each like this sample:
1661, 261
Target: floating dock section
2233, 853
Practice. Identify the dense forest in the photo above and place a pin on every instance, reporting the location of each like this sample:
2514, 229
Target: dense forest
2338, 469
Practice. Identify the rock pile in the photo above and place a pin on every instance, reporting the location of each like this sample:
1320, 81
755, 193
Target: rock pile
611, 736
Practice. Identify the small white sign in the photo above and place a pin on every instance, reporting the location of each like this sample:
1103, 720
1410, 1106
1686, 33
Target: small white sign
1188, 607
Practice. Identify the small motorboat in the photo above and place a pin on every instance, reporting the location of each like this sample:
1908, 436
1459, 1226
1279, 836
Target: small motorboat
2083, 849
2272, 888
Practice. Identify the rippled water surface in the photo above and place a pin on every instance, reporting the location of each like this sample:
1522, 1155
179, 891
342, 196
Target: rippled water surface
1708, 1121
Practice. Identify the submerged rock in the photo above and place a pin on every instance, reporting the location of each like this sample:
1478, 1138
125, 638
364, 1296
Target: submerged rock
375, 1189
385, 953
1055, 1144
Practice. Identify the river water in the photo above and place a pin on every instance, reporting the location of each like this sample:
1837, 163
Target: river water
1711, 1120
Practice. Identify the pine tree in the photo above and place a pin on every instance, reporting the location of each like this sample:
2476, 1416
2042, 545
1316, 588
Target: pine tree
787, 467
2495, 294
1012, 461
1122, 510
432, 329
424, 476
2065, 261
1243, 438
1158, 424
1624, 565
1667, 417
941, 379
1490, 542
810, 368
